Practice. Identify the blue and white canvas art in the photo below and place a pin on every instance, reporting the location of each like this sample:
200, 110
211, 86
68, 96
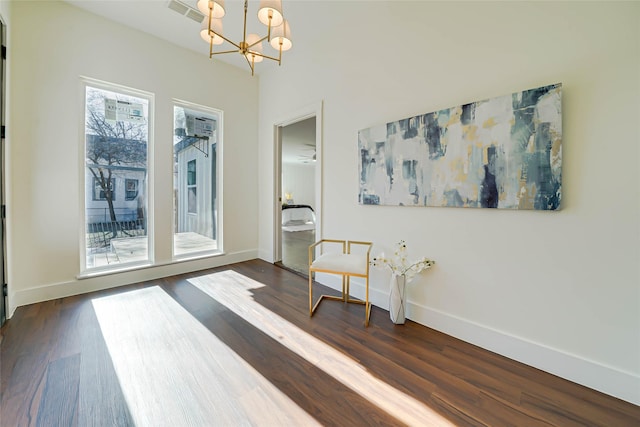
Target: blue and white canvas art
504, 152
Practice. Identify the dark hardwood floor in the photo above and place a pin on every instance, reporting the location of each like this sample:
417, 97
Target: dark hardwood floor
58, 365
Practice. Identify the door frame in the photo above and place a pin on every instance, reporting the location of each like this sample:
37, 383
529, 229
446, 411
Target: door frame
4, 299
309, 111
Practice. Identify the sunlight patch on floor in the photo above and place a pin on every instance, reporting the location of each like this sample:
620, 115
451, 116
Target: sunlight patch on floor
174, 372
233, 290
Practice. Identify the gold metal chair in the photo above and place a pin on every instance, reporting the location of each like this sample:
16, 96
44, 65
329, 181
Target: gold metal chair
345, 264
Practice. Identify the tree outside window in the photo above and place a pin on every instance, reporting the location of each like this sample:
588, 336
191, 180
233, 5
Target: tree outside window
99, 191
116, 144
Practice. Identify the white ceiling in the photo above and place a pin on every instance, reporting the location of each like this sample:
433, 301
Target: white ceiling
154, 17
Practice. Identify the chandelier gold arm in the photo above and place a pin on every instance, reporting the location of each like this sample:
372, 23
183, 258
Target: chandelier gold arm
226, 51
210, 37
243, 47
257, 42
266, 56
225, 39
251, 63
268, 37
244, 31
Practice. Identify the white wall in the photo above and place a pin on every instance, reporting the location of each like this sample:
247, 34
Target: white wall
557, 290
299, 180
53, 45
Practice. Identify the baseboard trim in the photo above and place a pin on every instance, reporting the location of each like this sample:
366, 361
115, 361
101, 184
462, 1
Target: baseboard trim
91, 284
606, 379
614, 382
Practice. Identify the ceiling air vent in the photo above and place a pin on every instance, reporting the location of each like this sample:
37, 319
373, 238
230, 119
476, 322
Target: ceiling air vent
185, 10
195, 15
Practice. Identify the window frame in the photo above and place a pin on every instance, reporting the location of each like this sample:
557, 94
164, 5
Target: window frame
97, 188
127, 191
92, 271
214, 160
192, 187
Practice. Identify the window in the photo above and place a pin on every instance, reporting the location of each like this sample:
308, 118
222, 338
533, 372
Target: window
192, 189
102, 187
116, 128
196, 144
130, 189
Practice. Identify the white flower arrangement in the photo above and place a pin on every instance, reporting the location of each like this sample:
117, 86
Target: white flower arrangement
399, 265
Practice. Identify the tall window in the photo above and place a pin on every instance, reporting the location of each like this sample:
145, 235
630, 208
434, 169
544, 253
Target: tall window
196, 145
116, 154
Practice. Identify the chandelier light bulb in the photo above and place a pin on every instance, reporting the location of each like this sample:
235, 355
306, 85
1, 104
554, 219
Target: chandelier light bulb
281, 34
216, 25
273, 7
217, 5
257, 48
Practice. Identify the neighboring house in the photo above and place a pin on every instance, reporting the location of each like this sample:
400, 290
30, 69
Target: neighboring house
195, 186
128, 183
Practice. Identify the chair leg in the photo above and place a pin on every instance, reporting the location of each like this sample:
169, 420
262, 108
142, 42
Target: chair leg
347, 295
367, 310
310, 294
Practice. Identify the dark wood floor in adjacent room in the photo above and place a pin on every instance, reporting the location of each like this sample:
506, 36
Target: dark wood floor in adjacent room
63, 365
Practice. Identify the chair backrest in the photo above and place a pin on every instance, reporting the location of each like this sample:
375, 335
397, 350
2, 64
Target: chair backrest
359, 247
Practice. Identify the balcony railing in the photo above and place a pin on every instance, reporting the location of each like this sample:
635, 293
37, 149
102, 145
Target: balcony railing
100, 234
99, 215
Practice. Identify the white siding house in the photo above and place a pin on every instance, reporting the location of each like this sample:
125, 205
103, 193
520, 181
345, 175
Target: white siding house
195, 186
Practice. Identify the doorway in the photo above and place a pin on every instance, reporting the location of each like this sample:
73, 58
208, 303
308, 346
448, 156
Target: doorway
298, 188
298, 160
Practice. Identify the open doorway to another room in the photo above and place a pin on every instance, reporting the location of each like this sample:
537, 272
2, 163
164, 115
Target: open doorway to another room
298, 193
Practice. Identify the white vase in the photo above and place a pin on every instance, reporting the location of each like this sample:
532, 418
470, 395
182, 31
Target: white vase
397, 298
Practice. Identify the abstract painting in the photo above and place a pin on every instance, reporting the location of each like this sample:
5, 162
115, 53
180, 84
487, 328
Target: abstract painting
503, 152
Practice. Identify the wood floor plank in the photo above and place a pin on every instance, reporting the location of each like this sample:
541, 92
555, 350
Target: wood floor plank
461, 415
605, 410
58, 407
100, 398
270, 352
507, 413
585, 414
21, 399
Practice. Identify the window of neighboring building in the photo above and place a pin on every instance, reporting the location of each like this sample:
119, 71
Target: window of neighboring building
196, 144
192, 188
116, 153
103, 189
130, 189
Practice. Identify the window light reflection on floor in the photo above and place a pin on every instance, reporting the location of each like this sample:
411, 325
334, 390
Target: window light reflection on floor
233, 290
174, 372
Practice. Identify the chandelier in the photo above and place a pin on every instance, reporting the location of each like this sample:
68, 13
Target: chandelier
270, 14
